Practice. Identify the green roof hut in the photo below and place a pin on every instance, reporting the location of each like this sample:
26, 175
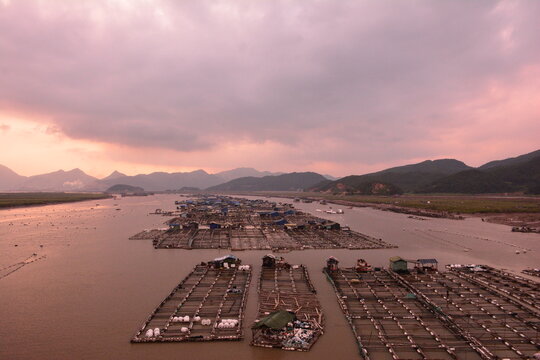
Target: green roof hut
397, 264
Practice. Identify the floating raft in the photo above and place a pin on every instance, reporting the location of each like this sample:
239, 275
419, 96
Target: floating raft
240, 224
260, 239
434, 315
207, 305
391, 323
497, 281
290, 316
505, 328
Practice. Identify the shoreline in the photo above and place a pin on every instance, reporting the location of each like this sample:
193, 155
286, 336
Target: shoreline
21, 200
504, 215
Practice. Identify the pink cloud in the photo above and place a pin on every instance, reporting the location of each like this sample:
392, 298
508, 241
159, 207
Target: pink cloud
295, 86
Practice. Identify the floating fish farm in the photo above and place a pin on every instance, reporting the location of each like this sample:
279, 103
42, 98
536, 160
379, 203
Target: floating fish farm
410, 310
426, 314
207, 305
290, 316
515, 287
240, 224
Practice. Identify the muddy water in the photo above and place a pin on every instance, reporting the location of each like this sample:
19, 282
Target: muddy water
95, 287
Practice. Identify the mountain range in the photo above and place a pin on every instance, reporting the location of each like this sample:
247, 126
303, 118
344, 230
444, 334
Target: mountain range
77, 180
517, 174
507, 177
405, 178
285, 182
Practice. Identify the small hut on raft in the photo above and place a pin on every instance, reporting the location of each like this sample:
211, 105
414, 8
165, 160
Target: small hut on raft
227, 261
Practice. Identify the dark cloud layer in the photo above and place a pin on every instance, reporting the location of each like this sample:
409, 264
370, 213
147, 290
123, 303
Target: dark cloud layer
376, 77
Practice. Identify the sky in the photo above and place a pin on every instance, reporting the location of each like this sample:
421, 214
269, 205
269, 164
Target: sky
337, 87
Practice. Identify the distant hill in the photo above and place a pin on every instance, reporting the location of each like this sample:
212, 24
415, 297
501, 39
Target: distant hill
403, 178
114, 175
73, 180
159, 181
243, 172
124, 189
285, 182
9, 179
511, 161
60, 180
372, 188
189, 189
441, 166
522, 177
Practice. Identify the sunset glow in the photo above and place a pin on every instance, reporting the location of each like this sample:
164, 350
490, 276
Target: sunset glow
333, 87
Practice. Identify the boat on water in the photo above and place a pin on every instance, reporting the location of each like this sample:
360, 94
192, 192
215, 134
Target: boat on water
362, 266
332, 211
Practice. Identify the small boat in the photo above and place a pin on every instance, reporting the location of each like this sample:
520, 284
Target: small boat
362, 266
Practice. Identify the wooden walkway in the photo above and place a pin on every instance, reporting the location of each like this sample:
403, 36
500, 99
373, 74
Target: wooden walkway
207, 305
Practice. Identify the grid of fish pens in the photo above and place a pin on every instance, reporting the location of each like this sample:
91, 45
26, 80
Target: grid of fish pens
207, 305
248, 239
148, 234
255, 238
351, 239
390, 322
241, 224
175, 239
503, 327
309, 239
289, 315
495, 280
280, 240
